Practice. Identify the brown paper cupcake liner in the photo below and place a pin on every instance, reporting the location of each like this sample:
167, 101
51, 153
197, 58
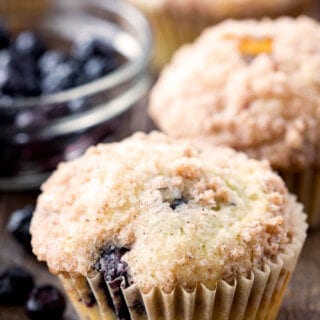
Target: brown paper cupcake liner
172, 29
256, 297
306, 185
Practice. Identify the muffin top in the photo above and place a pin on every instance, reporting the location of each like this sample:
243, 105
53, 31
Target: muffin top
224, 8
176, 212
254, 86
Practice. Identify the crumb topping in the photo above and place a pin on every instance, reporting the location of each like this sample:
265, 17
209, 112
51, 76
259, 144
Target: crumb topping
250, 85
183, 213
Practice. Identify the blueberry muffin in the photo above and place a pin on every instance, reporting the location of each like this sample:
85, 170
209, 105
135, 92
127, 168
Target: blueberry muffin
253, 86
176, 22
158, 228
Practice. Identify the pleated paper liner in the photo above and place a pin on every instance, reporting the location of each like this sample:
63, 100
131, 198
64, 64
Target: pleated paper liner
256, 297
173, 29
306, 185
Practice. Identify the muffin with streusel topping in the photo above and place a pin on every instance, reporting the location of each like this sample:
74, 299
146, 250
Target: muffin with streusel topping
253, 86
176, 22
158, 228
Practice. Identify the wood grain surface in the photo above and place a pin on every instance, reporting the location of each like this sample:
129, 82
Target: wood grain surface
302, 300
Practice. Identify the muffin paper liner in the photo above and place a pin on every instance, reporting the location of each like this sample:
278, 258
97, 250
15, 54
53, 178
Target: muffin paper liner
173, 29
306, 185
256, 297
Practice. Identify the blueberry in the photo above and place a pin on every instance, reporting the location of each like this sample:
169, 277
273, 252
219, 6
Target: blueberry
15, 83
177, 202
27, 66
111, 265
26, 118
95, 68
114, 270
77, 105
12, 83
82, 50
5, 58
61, 78
18, 71
25, 70
4, 37
15, 286
4, 79
6, 101
50, 60
104, 48
19, 225
28, 44
45, 302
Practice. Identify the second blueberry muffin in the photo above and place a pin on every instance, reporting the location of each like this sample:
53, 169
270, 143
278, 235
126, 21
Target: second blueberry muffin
176, 22
154, 228
253, 86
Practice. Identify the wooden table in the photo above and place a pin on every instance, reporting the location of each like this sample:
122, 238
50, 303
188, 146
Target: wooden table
302, 301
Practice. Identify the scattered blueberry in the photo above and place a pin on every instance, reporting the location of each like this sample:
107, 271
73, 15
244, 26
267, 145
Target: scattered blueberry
19, 225
45, 302
111, 265
177, 202
15, 286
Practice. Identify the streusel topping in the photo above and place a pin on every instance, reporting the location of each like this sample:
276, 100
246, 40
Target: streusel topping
183, 213
253, 86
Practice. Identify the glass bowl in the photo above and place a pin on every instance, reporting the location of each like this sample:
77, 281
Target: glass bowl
38, 133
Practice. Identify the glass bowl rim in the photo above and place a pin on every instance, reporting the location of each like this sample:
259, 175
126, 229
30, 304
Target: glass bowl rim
125, 72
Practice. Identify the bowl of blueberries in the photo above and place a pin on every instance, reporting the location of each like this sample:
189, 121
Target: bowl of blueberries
66, 83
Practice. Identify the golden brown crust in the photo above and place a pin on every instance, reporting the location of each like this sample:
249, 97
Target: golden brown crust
250, 85
188, 212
